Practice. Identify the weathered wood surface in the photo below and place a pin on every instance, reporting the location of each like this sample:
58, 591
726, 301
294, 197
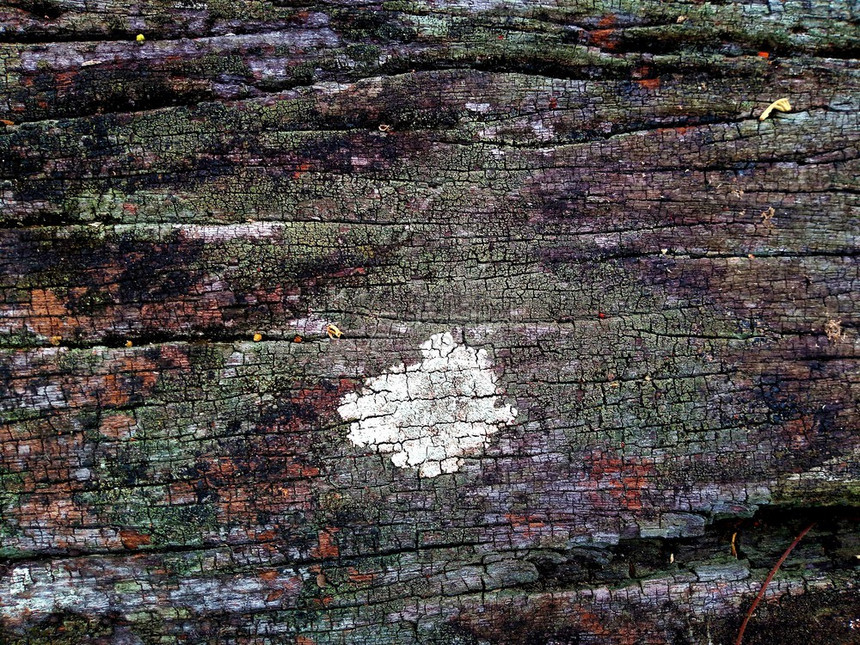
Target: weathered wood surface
579, 191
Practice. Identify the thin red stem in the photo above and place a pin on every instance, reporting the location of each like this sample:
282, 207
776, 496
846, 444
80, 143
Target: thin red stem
767, 582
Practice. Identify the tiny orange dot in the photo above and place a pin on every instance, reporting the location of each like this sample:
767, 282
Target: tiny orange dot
764, 54
128, 343
258, 338
297, 339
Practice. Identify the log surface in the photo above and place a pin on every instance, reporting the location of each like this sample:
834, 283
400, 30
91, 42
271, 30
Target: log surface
599, 362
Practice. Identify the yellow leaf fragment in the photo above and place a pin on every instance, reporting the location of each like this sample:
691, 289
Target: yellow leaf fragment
333, 331
781, 105
258, 338
833, 330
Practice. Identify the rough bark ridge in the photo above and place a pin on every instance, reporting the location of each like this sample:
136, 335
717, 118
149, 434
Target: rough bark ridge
599, 354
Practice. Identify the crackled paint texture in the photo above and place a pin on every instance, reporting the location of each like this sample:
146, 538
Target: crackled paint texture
582, 188
431, 413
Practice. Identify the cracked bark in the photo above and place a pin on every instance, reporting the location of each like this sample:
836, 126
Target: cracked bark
663, 285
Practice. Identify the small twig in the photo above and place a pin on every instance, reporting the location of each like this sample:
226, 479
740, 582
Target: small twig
767, 582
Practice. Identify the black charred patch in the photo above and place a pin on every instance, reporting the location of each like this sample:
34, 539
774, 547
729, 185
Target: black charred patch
42, 8
157, 271
534, 625
374, 26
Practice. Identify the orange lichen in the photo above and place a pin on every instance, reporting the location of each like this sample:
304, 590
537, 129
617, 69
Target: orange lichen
301, 169
527, 525
327, 544
133, 540
603, 38
116, 426
359, 578
46, 312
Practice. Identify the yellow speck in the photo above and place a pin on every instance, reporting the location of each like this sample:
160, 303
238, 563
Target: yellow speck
781, 105
751, 256
140, 38
128, 343
258, 338
55, 340
333, 331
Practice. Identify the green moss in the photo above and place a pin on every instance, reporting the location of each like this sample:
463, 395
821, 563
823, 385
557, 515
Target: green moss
817, 491
21, 338
11, 491
79, 360
246, 10
92, 205
214, 64
138, 508
363, 52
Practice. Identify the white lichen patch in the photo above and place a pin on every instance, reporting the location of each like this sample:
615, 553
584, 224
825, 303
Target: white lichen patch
429, 414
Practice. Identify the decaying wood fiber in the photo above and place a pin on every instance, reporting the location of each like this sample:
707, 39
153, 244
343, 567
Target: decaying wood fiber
598, 362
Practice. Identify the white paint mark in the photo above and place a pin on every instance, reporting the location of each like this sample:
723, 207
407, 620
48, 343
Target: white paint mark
481, 108
20, 580
429, 414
